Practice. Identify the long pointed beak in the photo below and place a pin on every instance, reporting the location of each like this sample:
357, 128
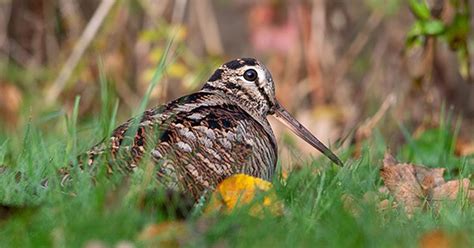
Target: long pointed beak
283, 116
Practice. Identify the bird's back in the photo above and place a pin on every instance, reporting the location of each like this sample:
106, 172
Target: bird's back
195, 142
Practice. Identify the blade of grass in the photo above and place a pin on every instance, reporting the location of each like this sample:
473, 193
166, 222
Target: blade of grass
157, 76
71, 126
3, 152
108, 108
159, 72
411, 143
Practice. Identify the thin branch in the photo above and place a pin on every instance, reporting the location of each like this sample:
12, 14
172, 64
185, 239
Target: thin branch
178, 11
5, 12
72, 16
209, 29
79, 49
365, 130
356, 46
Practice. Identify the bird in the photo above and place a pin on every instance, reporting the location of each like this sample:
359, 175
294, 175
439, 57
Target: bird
200, 139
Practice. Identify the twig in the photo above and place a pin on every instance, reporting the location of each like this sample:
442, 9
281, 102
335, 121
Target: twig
208, 25
314, 46
365, 130
16, 52
52, 47
359, 42
79, 49
177, 19
70, 11
5, 12
153, 10
178, 11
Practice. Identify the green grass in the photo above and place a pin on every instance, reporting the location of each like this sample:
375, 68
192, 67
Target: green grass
314, 213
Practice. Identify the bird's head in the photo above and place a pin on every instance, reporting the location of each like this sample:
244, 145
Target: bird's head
246, 82
249, 84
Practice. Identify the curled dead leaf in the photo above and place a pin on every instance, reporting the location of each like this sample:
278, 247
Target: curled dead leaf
241, 189
10, 102
464, 147
418, 187
440, 239
165, 234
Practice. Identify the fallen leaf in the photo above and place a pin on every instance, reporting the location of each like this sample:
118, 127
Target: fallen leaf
435, 239
175, 233
241, 189
165, 234
10, 103
464, 148
418, 187
440, 239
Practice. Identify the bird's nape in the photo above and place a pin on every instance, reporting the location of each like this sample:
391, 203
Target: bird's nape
283, 116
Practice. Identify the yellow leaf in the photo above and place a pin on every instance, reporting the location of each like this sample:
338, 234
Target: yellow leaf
241, 189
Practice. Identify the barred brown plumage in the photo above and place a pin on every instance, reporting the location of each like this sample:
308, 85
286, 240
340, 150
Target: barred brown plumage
200, 139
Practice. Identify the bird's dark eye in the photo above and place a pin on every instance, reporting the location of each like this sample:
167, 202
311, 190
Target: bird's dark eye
250, 75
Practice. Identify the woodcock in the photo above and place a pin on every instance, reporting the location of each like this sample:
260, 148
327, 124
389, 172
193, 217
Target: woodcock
198, 140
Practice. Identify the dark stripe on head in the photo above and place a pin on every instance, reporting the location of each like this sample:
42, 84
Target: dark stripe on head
249, 61
216, 76
235, 64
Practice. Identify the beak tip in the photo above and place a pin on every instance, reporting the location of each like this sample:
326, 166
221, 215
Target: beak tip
282, 115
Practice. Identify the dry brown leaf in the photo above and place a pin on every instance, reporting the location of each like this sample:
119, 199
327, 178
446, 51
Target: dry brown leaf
464, 148
10, 102
175, 233
441, 239
165, 234
435, 239
418, 187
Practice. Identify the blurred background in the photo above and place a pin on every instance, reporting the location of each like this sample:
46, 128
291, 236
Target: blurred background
346, 69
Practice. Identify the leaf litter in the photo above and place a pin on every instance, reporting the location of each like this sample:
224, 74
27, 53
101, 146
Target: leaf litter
420, 187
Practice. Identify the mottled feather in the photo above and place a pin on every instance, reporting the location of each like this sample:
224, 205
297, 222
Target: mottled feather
197, 141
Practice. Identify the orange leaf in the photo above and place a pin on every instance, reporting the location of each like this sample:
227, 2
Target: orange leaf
165, 234
241, 189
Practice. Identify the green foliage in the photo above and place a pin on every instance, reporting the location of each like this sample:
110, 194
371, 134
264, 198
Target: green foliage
420, 9
454, 32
